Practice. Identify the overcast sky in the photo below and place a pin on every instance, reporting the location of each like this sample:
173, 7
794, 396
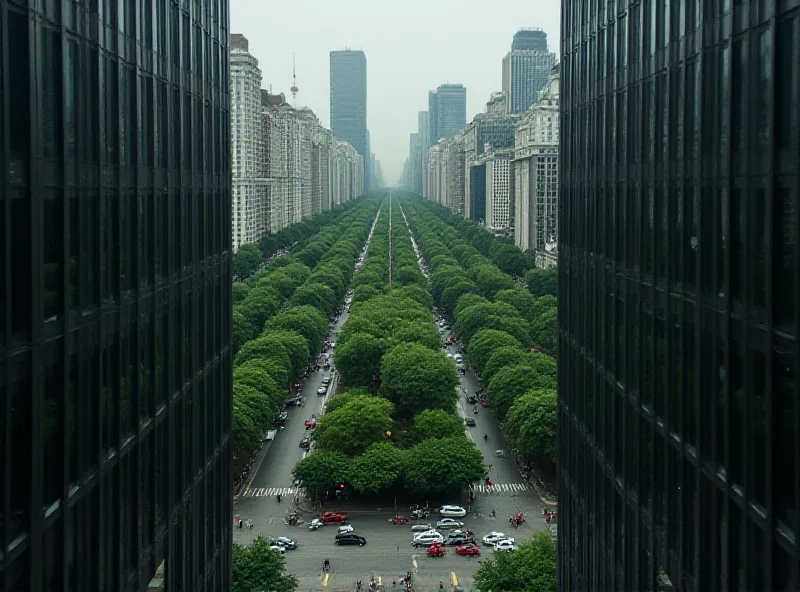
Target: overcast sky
412, 46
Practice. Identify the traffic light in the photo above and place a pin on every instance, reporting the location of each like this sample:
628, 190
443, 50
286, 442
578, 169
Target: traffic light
341, 485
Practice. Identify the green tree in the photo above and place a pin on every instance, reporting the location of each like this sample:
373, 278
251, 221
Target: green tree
502, 357
542, 282
321, 471
319, 296
512, 382
531, 568
295, 346
484, 343
511, 260
359, 358
414, 377
523, 301
304, 320
256, 568
437, 423
253, 374
239, 292
498, 315
263, 348
280, 281
452, 294
377, 470
532, 422
241, 330
338, 401
365, 293
423, 333
466, 301
258, 405
408, 275
443, 465
544, 331
246, 435
259, 305
351, 428
245, 261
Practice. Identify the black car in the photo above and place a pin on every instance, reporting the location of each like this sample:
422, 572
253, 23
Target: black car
472, 399
284, 542
350, 539
459, 540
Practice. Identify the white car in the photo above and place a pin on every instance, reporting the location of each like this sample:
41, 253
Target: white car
449, 523
345, 528
506, 545
452, 511
426, 538
421, 527
495, 537
278, 548
322, 390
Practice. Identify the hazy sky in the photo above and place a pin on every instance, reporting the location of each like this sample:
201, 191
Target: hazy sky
412, 46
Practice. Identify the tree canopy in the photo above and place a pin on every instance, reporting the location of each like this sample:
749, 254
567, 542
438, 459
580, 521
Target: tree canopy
414, 377
531, 568
257, 568
245, 261
443, 465
532, 422
354, 426
485, 342
437, 423
513, 381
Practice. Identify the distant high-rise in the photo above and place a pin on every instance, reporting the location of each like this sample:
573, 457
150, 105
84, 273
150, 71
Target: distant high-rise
530, 40
447, 108
526, 69
115, 297
348, 90
678, 346
251, 207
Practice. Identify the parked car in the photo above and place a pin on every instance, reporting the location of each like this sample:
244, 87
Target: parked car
427, 538
350, 539
329, 517
322, 390
424, 527
326, 380
452, 511
468, 550
495, 537
278, 548
470, 422
459, 539
345, 528
449, 523
505, 545
284, 542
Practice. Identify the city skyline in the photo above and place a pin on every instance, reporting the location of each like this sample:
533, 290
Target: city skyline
398, 80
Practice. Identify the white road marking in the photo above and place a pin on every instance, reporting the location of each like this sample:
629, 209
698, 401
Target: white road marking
501, 487
270, 491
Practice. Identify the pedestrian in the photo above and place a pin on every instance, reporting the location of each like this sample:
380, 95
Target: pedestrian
441, 585
279, 498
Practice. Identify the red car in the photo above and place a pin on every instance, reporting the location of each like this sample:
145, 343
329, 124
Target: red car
468, 550
329, 517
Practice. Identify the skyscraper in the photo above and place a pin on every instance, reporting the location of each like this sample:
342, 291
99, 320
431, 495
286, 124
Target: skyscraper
115, 297
251, 207
678, 297
526, 69
447, 108
348, 73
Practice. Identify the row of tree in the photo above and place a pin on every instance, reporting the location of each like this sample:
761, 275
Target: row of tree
396, 426
280, 317
508, 331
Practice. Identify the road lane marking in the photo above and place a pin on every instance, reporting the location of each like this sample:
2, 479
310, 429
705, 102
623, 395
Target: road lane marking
501, 487
453, 578
325, 580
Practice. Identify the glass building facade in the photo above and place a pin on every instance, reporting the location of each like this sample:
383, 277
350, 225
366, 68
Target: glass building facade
678, 295
115, 365
348, 102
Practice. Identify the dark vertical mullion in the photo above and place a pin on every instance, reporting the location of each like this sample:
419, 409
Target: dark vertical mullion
5, 209
35, 236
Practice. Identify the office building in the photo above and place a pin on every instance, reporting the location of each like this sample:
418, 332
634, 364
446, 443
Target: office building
678, 297
499, 189
447, 108
526, 69
536, 171
115, 297
251, 207
348, 90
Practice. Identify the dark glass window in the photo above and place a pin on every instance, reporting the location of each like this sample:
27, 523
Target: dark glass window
72, 421
19, 88
110, 92
21, 266
784, 263
787, 88
51, 117
20, 427
73, 90
147, 108
53, 553
110, 398
53, 425
53, 257
758, 245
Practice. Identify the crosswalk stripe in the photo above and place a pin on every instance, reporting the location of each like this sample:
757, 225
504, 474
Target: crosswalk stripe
502, 487
270, 491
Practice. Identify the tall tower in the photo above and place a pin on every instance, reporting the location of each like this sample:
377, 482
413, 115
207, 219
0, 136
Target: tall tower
348, 96
678, 387
447, 108
115, 300
526, 69
294, 88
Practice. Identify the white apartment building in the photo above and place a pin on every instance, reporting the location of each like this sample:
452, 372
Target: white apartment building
251, 207
498, 189
536, 171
